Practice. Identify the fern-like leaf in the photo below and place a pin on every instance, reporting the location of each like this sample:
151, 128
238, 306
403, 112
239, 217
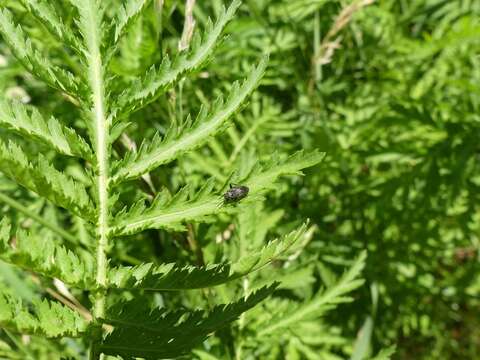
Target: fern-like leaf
173, 213
29, 122
172, 277
45, 318
160, 334
167, 277
168, 213
263, 176
161, 151
48, 16
156, 81
323, 301
34, 62
45, 180
272, 251
125, 15
40, 254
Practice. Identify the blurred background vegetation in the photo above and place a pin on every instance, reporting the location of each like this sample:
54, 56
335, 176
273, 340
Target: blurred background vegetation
390, 90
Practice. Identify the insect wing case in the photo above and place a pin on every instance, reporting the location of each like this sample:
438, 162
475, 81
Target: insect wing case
236, 193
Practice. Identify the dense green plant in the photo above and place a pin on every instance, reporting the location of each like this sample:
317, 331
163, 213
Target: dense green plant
80, 197
387, 88
392, 97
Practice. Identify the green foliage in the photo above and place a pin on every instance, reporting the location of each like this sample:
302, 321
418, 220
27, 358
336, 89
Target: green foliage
115, 235
385, 354
42, 255
170, 213
321, 302
158, 80
171, 277
48, 16
394, 108
207, 124
166, 335
124, 17
108, 249
30, 123
50, 319
299, 323
31, 59
42, 178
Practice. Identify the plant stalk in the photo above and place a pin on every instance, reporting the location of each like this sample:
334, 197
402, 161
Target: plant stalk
101, 129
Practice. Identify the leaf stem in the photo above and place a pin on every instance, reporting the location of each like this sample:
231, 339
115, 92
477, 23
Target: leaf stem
101, 125
101, 128
250, 133
194, 245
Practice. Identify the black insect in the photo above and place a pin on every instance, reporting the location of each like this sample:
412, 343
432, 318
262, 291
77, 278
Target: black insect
235, 193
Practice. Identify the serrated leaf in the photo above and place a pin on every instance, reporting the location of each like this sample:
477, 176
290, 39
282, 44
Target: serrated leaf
125, 15
91, 13
45, 318
89, 20
156, 81
269, 253
48, 16
45, 180
40, 254
160, 334
29, 122
167, 212
167, 276
321, 302
172, 277
161, 151
36, 63
172, 213
263, 176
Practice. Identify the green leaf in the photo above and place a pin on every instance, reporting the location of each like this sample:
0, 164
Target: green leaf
263, 176
157, 81
45, 318
14, 279
45, 180
40, 254
147, 276
99, 124
320, 303
204, 355
125, 15
29, 122
171, 213
362, 344
172, 277
167, 212
385, 354
161, 151
90, 17
270, 252
36, 63
48, 16
155, 334
296, 11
